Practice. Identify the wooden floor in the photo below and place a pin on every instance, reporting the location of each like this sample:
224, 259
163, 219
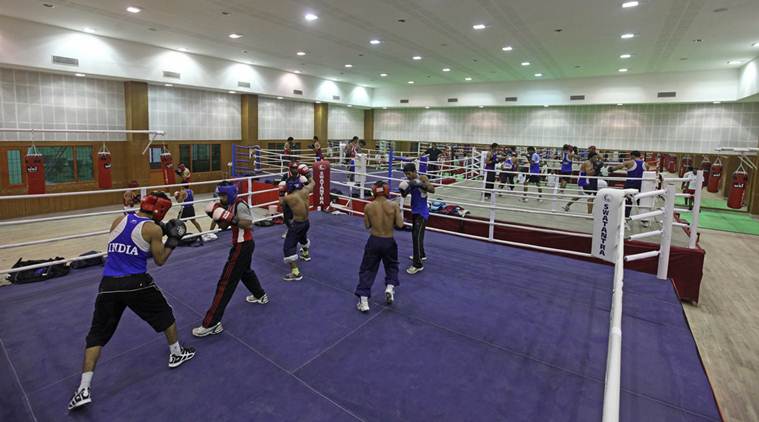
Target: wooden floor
725, 323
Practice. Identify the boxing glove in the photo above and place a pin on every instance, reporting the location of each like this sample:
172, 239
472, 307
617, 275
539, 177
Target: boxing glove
282, 188
403, 188
174, 230
303, 180
303, 169
220, 215
210, 207
415, 183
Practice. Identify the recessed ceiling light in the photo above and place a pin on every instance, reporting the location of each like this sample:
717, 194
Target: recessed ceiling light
382, 75
79, 75
417, 57
507, 48
235, 36
467, 78
627, 36
349, 66
410, 82
182, 49
716, 102
89, 30
311, 17
445, 69
625, 56
279, 98
734, 62
375, 42
525, 63
301, 53
427, 107
478, 27
169, 85
623, 70
233, 92
630, 4
133, 9
537, 75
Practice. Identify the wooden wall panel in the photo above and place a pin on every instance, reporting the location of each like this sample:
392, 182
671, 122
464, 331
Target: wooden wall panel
137, 118
369, 129
249, 120
321, 122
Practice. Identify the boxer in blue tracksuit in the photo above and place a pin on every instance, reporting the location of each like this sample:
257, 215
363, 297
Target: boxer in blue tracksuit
418, 187
634, 168
133, 239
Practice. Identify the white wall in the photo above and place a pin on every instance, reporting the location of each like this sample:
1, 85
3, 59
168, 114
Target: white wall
671, 127
191, 114
34, 100
748, 83
28, 44
344, 122
706, 86
279, 119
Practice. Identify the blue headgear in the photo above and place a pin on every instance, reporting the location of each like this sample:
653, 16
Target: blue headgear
229, 190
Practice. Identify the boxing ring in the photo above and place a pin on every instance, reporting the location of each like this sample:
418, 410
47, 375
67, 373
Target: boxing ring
488, 332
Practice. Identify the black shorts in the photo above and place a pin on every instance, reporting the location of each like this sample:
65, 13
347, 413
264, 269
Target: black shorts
296, 233
187, 212
136, 292
565, 176
533, 178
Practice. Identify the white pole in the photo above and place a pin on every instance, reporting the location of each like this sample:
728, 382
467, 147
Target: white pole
491, 226
555, 192
614, 352
695, 214
250, 191
666, 238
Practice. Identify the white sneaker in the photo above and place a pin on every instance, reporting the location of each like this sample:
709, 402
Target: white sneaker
185, 354
389, 294
411, 257
81, 397
413, 270
284, 235
263, 300
363, 304
203, 331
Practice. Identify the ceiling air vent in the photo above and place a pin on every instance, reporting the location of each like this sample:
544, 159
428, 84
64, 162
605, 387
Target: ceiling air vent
298, 91
667, 94
511, 99
404, 101
167, 74
242, 84
68, 61
453, 100
576, 97
336, 97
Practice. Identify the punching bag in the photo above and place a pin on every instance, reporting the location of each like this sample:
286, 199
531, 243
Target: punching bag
737, 189
321, 174
706, 166
684, 164
104, 170
167, 167
35, 173
672, 164
715, 174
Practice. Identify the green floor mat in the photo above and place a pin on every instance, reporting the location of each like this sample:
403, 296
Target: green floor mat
726, 221
720, 204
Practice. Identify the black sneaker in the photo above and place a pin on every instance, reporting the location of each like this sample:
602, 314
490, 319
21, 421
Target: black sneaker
81, 397
185, 354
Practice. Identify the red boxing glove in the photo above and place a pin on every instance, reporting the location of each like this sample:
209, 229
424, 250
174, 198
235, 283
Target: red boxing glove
223, 216
211, 207
303, 169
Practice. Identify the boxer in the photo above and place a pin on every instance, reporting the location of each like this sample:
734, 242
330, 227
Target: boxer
134, 238
184, 173
634, 168
185, 196
567, 155
317, 146
288, 149
232, 211
131, 197
380, 217
689, 186
534, 176
506, 176
418, 187
294, 193
491, 158
589, 186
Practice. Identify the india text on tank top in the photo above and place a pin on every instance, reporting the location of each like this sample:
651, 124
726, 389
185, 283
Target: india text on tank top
128, 251
419, 202
566, 163
635, 172
188, 199
535, 163
239, 235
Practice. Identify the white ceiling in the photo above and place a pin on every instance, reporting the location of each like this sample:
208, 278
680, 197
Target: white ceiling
438, 30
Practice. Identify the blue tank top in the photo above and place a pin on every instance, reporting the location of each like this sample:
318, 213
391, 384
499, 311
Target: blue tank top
128, 252
508, 165
490, 166
535, 163
566, 163
419, 203
188, 200
582, 181
636, 172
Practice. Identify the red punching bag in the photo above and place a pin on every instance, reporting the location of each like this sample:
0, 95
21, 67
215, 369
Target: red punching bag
684, 164
104, 170
706, 166
672, 164
737, 189
35, 173
715, 174
167, 167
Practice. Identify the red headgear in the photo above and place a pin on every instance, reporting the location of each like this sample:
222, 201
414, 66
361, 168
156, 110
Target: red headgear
294, 167
156, 203
181, 166
381, 188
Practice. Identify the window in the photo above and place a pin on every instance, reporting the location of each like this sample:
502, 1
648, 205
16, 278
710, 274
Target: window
201, 157
15, 171
67, 164
155, 157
